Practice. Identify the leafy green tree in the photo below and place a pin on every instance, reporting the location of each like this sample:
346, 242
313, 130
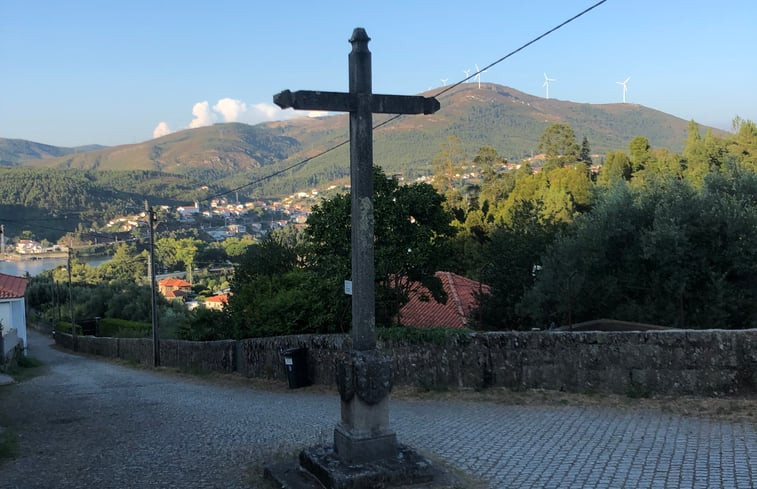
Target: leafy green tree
513, 260
411, 228
668, 253
585, 155
447, 166
272, 294
743, 145
616, 167
126, 264
558, 143
235, 247
641, 153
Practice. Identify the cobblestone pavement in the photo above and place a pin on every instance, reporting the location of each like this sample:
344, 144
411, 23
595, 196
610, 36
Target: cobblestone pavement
87, 423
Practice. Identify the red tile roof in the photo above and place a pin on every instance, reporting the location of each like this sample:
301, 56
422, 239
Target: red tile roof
12, 287
423, 311
218, 298
174, 282
174, 294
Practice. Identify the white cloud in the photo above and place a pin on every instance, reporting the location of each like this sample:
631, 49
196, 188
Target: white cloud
202, 115
230, 109
268, 112
160, 130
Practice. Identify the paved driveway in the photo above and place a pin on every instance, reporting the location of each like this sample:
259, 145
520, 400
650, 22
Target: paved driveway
95, 424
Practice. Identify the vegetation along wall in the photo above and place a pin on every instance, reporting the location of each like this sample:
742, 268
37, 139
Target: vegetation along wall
709, 362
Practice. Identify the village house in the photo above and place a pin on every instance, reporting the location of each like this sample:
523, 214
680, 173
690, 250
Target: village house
12, 314
188, 212
174, 288
422, 311
216, 302
28, 246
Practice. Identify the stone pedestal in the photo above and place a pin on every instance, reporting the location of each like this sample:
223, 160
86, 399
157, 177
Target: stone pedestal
364, 379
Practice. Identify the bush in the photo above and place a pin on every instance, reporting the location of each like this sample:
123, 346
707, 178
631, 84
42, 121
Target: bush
410, 335
122, 328
65, 327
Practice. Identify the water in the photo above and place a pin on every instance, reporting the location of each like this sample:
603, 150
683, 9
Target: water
35, 267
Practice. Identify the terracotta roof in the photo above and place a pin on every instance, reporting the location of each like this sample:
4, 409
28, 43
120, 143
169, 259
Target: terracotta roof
12, 287
174, 282
423, 311
174, 294
218, 298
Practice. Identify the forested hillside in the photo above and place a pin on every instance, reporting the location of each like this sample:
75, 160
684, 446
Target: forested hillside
14, 152
507, 120
32, 198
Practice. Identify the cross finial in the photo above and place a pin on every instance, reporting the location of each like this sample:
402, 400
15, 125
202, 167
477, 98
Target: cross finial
359, 40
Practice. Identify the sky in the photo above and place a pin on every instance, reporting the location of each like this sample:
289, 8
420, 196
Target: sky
81, 72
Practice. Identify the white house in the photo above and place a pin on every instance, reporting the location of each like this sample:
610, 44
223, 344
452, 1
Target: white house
27, 246
12, 312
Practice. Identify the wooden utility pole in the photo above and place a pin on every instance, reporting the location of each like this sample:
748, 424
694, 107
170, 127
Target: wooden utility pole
71, 298
151, 275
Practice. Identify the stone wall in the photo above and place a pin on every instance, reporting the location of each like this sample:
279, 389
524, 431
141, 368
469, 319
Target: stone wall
711, 362
205, 356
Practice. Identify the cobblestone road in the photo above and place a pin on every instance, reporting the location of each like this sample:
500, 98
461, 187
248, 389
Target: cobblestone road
94, 424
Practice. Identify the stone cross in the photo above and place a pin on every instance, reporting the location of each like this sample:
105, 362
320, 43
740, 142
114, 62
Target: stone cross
365, 378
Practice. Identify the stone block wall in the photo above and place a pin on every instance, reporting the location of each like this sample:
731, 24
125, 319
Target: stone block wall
205, 356
710, 362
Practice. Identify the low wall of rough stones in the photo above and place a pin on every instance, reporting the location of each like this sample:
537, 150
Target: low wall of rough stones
710, 362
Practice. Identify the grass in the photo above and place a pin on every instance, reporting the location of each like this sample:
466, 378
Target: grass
26, 368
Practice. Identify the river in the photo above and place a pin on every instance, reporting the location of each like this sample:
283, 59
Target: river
34, 267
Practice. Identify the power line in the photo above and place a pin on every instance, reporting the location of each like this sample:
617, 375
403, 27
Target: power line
394, 118
376, 126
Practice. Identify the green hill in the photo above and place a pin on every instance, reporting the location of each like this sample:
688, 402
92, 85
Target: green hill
15, 152
511, 121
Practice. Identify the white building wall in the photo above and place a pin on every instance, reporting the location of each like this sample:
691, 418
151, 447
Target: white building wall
13, 316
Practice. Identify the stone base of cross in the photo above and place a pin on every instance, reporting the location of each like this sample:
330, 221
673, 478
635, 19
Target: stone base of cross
365, 375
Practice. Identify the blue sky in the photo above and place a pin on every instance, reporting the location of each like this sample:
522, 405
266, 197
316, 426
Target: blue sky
84, 72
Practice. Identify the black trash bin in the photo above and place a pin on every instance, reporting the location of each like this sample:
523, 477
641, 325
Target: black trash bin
296, 364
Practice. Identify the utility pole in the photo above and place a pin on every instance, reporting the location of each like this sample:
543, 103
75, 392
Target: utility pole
2, 239
151, 274
71, 298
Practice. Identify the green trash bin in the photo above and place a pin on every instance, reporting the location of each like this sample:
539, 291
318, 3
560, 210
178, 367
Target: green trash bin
296, 364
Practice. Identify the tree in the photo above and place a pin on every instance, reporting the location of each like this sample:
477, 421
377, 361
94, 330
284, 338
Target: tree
640, 153
558, 143
616, 167
513, 258
447, 165
411, 229
273, 294
585, 154
668, 253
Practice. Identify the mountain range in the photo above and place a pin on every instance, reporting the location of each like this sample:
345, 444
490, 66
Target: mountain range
493, 115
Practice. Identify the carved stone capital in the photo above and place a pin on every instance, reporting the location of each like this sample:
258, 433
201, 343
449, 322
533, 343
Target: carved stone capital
367, 374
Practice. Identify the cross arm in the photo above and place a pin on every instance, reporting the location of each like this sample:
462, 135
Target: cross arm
347, 102
403, 104
314, 100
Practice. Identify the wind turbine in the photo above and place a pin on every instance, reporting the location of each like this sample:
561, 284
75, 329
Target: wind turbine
467, 74
546, 83
444, 81
625, 87
478, 75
